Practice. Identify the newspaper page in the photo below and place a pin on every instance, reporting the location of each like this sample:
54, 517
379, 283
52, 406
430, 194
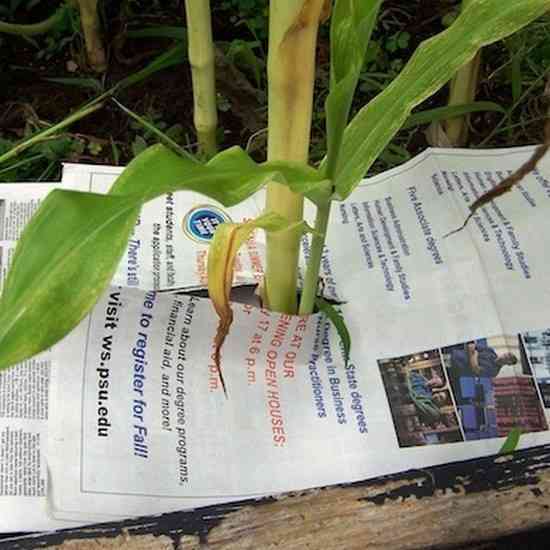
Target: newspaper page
169, 246
450, 315
24, 389
449, 353
23, 393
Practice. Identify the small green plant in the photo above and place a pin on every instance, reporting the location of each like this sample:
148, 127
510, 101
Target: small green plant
250, 13
246, 55
69, 251
149, 127
89, 22
41, 162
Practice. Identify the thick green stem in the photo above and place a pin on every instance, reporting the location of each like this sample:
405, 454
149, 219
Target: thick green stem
89, 19
202, 60
311, 280
293, 26
35, 28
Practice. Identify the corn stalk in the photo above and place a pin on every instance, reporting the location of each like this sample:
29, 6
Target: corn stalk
202, 60
462, 90
89, 19
293, 26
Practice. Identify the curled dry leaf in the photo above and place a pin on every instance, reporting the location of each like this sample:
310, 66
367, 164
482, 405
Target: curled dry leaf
229, 237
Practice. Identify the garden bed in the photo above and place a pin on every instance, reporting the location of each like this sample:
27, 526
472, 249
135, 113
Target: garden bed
513, 75
48, 78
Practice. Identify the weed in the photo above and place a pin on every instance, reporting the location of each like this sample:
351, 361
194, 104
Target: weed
249, 13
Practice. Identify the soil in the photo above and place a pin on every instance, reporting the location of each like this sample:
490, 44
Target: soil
27, 97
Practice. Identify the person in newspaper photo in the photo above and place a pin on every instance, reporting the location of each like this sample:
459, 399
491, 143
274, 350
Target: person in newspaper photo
420, 399
479, 359
493, 387
428, 394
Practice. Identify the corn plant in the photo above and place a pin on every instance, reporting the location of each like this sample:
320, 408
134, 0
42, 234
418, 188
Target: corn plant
463, 88
293, 28
202, 61
89, 21
69, 251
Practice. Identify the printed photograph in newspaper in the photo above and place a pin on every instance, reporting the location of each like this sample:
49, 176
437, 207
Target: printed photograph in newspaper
479, 389
537, 348
493, 387
420, 399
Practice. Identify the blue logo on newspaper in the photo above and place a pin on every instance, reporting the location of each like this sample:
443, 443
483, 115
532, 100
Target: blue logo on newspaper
200, 223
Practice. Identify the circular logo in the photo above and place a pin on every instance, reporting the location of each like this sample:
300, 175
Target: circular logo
200, 223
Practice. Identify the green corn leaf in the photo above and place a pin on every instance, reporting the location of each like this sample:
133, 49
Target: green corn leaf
230, 177
301, 179
351, 29
435, 61
64, 260
451, 111
87, 83
337, 320
160, 31
70, 249
173, 56
511, 443
163, 137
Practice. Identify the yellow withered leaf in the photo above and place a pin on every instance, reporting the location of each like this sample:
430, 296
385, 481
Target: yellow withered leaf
228, 238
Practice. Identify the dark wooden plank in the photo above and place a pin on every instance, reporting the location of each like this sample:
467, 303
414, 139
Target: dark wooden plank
455, 504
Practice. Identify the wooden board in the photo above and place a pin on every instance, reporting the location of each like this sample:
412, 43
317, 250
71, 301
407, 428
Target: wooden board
456, 504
